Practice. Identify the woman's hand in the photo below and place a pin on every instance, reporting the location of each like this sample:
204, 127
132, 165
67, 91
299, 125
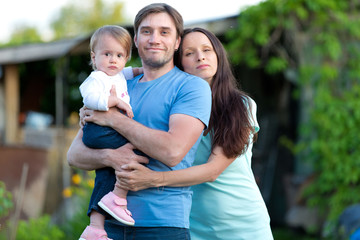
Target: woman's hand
135, 176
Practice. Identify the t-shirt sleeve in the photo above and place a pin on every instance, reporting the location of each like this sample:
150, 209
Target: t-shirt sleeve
194, 99
92, 95
128, 73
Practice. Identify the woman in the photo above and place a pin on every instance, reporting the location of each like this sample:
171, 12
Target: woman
227, 203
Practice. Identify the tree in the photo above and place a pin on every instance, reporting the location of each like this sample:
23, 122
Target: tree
85, 17
72, 20
315, 44
24, 34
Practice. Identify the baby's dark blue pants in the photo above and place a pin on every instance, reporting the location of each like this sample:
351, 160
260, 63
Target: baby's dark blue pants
99, 137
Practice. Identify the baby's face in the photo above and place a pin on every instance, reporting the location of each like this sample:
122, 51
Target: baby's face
109, 55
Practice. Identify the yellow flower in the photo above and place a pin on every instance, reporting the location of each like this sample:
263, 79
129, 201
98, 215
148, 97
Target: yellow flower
76, 179
91, 183
67, 192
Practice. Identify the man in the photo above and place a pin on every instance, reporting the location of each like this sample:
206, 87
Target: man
171, 110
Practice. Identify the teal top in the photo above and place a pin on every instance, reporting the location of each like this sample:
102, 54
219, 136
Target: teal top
231, 207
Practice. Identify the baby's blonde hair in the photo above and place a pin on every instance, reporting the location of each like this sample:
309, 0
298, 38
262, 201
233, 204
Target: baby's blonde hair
117, 32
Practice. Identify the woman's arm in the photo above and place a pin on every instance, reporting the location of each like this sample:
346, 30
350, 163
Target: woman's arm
137, 177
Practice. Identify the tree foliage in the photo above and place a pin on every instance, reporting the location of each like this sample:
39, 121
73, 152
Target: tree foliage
76, 18
316, 45
24, 34
84, 17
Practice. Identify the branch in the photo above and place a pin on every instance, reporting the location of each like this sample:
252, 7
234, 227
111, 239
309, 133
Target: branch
275, 36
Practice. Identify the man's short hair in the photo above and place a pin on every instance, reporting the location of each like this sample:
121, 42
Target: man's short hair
160, 8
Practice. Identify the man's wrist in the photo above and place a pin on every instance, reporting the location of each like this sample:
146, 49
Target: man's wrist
105, 157
117, 120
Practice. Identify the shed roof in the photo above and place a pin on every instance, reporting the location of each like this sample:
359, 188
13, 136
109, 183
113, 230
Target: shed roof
53, 50
41, 51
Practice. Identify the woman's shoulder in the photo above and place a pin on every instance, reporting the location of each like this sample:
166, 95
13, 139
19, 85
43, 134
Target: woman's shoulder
250, 103
252, 108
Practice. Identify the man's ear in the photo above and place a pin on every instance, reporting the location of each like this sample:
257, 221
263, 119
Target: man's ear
135, 40
177, 44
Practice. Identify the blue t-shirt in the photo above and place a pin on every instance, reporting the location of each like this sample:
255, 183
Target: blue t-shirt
153, 103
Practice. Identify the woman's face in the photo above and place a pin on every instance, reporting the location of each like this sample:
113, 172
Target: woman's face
198, 56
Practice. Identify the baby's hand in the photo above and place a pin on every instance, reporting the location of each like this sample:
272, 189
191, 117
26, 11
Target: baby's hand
114, 101
125, 107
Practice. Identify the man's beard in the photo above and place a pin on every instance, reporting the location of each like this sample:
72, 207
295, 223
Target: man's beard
156, 64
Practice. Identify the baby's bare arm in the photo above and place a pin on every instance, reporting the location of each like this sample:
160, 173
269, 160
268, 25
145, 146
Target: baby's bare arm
114, 101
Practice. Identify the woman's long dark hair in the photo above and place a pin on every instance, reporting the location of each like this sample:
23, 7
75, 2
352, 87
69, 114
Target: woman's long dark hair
230, 123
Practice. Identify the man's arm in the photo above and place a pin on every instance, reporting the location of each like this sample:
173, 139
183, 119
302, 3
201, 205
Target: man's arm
85, 158
168, 147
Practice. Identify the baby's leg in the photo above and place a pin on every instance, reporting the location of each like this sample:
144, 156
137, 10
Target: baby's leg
96, 228
97, 220
103, 199
104, 183
122, 193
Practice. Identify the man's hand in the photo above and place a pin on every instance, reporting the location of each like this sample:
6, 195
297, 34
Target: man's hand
124, 155
81, 116
102, 118
137, 71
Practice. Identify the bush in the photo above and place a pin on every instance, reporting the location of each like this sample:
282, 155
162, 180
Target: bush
42, 228
315, 45
79, 194
5, 200
39, 229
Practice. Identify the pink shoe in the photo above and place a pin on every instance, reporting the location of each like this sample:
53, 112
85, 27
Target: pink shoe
111, 204
91, 233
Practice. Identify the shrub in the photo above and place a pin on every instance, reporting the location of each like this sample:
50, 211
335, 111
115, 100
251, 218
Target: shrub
39, 229
5, 200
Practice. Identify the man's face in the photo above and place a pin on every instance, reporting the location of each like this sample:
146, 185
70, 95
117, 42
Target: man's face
157, 40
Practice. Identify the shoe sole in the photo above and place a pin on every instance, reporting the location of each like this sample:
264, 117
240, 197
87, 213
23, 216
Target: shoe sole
85, 239
106, 209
